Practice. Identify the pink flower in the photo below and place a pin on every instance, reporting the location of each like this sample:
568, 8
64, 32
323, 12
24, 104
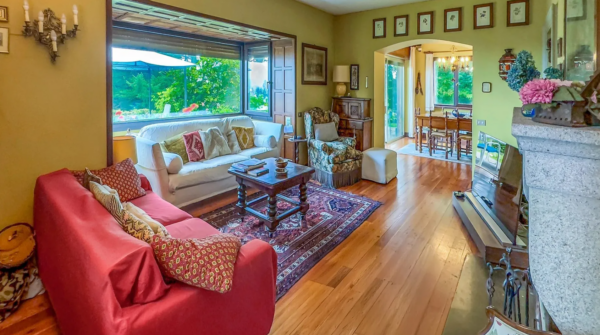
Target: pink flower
119, 113
187, 109
537, 91
121, 117
194, 106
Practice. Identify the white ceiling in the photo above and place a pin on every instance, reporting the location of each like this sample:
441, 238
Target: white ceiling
339, 7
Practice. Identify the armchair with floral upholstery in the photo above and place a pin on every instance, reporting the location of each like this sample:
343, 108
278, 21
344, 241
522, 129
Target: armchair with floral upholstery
337, 163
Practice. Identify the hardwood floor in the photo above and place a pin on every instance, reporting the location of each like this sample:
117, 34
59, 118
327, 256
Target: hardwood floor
396, 274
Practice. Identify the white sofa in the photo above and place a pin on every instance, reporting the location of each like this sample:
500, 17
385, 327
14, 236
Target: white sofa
200, 180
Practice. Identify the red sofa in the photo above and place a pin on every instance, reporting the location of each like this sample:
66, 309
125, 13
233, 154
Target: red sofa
102, 281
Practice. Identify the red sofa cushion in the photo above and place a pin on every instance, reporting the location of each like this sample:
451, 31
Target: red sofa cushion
160, 210
121, 177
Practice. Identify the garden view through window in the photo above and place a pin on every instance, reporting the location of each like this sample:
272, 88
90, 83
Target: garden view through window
453, 87
158, 77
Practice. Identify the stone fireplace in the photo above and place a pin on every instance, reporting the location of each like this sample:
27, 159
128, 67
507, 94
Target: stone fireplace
561, 168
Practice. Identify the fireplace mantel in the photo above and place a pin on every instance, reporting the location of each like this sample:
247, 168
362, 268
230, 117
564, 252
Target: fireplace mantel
562, 182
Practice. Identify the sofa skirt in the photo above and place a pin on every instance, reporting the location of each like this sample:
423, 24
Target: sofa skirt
338, 179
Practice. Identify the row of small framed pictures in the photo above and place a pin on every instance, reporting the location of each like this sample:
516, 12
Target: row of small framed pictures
517, 14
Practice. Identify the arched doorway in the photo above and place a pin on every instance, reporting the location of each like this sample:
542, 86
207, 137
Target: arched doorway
381, 57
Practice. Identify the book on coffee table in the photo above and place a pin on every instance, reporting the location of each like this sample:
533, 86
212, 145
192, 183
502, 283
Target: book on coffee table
258, 172
248, 165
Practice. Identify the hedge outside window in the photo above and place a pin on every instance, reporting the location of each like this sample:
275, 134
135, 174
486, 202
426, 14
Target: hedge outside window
166, 77
453, 88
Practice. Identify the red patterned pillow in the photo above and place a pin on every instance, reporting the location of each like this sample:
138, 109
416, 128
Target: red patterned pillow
194, 146
122, 177
206, 263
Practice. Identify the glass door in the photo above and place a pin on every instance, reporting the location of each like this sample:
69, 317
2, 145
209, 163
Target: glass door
394, 100
258, 78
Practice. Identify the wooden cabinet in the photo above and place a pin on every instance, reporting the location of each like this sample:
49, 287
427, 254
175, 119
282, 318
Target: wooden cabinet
355, 120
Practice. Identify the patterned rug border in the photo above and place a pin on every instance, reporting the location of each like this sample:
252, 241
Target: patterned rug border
286, 281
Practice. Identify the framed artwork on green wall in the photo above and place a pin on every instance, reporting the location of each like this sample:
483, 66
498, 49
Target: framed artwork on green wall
483, 16
517, 13
379, 28
425, 24
452, 20
401, 25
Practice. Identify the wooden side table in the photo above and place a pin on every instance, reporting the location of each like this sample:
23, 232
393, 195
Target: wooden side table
296, 142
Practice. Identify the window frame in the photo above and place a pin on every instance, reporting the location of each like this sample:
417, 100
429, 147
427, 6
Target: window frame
456, 104
245, 97
123, 126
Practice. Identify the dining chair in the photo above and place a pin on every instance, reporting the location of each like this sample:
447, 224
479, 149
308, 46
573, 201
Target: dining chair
463, 135
446, 137
424, 131
499, 324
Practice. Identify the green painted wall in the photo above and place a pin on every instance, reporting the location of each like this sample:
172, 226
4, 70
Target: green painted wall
354, 44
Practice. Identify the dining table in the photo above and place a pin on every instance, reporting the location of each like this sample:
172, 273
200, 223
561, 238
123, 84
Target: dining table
465, 123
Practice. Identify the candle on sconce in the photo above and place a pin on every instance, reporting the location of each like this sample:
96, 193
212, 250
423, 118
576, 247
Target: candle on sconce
26, 8
64, 24
41, 22
75, 13
53, 37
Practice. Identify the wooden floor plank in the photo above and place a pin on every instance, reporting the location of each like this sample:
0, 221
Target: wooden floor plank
396, 274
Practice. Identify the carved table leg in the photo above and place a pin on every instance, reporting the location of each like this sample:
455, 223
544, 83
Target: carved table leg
241, 199
304, 206
271, 226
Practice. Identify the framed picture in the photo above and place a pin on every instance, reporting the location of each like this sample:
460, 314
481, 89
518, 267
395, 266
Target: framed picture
483, 16
401, 25
3, 14
379, 28
575, 9
354, 77
4, 40
314, 65
425, 24
517, 13
559, 48
452, 20
486, 87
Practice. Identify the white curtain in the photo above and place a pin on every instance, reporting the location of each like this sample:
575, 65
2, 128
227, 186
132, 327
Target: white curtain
429, 83
410, 113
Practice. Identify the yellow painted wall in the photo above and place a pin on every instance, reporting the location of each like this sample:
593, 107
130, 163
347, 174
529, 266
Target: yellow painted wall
354, 44
53, 116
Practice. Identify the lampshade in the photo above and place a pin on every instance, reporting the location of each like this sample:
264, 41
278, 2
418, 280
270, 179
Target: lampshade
341, 74
123, 148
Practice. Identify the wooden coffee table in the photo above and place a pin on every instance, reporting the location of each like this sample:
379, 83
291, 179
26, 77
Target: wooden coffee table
272, 185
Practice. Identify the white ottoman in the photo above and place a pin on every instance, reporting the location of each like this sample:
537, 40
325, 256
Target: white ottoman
379, 165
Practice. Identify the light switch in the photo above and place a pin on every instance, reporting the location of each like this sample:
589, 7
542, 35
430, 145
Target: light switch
481, 122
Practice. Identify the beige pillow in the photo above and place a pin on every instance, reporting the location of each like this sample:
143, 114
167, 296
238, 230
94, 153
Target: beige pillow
176, 145
214, 142
173, 162
234, 145
245, 137
326, 132
137, 228
140, 214
109, 198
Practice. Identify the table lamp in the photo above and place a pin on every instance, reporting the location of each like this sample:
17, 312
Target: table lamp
341, 75
124, 147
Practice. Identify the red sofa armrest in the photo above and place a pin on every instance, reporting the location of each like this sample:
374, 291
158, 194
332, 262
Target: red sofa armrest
145, 183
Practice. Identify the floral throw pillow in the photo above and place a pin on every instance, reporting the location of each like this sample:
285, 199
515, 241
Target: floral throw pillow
207, 263
245, 137
122, 177
194, 146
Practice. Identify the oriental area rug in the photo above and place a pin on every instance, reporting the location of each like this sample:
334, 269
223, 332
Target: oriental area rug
332, 217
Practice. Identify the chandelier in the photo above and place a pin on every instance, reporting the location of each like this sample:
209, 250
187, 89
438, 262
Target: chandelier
455, 62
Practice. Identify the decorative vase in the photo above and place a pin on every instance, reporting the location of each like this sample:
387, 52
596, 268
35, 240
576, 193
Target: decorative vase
505, 63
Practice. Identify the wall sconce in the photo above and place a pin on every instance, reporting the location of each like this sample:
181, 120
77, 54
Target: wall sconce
48, 29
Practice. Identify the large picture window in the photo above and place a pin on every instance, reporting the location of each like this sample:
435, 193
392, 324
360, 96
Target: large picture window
157, 77
453, 83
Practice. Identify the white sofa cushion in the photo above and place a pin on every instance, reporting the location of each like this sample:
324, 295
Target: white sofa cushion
215, 144
237, 121
211, 170
234, 145
253, 152
267, 141
173, 162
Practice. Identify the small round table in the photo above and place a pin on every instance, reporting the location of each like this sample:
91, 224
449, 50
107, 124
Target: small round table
297, 141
